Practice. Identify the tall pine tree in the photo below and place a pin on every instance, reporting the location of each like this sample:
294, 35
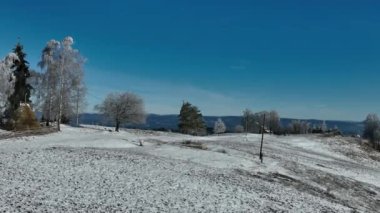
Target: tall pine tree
191, 120
22, 90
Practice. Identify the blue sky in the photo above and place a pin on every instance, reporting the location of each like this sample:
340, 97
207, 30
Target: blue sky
305, 59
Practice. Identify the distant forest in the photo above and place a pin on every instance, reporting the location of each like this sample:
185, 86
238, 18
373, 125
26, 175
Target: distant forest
170, 122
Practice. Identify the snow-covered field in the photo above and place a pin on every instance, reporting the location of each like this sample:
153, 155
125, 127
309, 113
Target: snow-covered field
93, 170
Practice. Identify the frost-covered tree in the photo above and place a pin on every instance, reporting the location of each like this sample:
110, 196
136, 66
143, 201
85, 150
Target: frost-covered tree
7, 80
22, 88
80, 101
123, 108
274, 124
62, 80
219, 127
253, 122
248, 121
191, 120
324, 127
48, 82
299, 127
371, 126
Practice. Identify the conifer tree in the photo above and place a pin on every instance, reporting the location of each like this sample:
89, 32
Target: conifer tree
191, 120
22, 89
184, 123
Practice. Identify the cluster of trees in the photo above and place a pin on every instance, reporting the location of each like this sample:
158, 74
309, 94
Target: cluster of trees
59, 93
304, 127
191, 121
59, 90
15, 92
372, 130
254, 122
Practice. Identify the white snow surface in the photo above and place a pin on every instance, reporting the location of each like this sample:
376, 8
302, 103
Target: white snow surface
94, 169
3, 132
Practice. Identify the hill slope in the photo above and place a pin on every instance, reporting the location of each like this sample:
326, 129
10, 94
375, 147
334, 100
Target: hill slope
92, 169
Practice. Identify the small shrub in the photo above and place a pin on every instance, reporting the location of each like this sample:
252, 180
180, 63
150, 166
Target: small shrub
194, 145
26, 119
221, 151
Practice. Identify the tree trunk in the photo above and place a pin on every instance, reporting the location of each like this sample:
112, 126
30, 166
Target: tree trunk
61, 81
77, 107
117, 126
49, 110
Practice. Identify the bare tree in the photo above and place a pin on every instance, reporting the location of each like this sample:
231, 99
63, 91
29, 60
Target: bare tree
253, 122
299, 127
219, 126
258, 124
80, 101
274, 124
371, 128
123, 108
248, 121
324, 126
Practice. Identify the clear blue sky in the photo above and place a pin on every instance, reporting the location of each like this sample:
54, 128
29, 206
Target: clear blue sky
305, 59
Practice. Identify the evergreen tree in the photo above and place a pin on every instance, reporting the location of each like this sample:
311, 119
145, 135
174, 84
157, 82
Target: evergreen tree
191, 120
184, 123
22, 89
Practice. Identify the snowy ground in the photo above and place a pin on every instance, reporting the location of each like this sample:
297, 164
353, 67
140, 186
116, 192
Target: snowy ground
91, 169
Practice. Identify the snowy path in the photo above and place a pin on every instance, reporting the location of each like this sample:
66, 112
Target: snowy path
96, 170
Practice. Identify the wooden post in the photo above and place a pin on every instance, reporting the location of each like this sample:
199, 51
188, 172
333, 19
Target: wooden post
262, 140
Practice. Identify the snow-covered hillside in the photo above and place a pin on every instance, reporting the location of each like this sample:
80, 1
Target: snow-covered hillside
93, 169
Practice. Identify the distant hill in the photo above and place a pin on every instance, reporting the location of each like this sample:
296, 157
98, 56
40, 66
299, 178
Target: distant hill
170, 122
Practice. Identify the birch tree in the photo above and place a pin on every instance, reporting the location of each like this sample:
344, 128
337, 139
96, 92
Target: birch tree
63, 79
